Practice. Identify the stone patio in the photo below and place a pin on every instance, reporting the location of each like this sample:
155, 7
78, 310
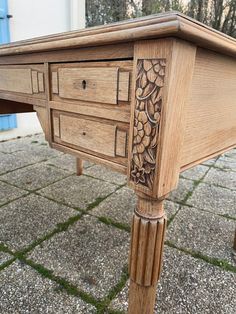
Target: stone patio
64, 239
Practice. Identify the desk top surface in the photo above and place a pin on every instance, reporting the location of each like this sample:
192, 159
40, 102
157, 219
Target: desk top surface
172, 24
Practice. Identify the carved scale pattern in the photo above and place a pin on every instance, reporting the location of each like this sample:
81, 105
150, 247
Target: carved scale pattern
146, 249
148, 95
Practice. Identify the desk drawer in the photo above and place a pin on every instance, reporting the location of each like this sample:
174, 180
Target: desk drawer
25, 79
101, 82
95, 136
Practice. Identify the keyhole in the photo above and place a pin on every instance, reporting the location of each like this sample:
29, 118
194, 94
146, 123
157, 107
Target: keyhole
84, 84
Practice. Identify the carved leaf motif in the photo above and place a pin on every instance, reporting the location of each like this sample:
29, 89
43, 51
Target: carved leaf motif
149, 84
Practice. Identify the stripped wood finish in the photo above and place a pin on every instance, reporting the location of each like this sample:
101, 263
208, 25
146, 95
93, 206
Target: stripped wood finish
146, 249
148, 98
79, 166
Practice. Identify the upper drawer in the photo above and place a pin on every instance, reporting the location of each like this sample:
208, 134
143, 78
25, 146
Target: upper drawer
102, 82
24, 79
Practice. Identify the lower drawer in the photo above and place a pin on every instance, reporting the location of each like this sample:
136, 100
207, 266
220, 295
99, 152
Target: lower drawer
100, 137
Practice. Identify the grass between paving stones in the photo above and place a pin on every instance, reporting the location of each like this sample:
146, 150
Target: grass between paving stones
111, 222
71, 289
60, 227
103, 305
210, 260
34, 163
4, 249
7, 263
63, 284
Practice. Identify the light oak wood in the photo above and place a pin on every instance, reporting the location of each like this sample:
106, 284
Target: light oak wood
23, 99
173, 61
148, 98
147, 241
90, 84
16, 80
89, 81
21, 79
108, 162
141, 299
121, 143
79, 166
156, 26
43, 119
109, 52
41, 82
106, 111
87, 134
211, 113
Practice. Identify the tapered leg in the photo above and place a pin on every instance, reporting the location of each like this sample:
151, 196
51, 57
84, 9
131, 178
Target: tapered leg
148, 232
79, 166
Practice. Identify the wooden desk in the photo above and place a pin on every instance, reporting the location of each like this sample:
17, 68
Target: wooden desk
149, 98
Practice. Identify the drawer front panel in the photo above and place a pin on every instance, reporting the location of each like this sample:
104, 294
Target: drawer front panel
90, 84
24, 80
102, 82
98, 137
88, 134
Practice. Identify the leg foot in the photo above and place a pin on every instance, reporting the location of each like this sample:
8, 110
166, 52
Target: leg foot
141, 299
79, 166
148, 231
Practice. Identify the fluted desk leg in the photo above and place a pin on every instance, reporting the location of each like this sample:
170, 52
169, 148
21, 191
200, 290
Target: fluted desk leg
148, 232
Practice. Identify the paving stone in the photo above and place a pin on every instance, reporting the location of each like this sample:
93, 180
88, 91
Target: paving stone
37, 153
29, 218
188, 286
212, 198
23, 290
195, 173
231, 153
225, 178
4, 257
67, 162
226, 163
22, 143
9, 162
89, 254
210, 162
184, 187
120, 206
103, 173
78, 191
9, 193
35, 176
203, 232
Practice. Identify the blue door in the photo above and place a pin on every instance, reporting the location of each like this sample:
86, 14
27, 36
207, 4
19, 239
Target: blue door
7, 121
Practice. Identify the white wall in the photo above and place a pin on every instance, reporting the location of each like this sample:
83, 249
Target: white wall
33, 18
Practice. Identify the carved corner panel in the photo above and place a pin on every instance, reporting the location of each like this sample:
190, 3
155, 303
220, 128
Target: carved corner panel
147, 115
146, 249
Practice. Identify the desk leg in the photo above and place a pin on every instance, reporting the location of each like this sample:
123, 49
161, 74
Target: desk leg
79, 166
148, 231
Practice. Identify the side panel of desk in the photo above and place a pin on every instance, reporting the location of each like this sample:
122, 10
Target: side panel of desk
210, 113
